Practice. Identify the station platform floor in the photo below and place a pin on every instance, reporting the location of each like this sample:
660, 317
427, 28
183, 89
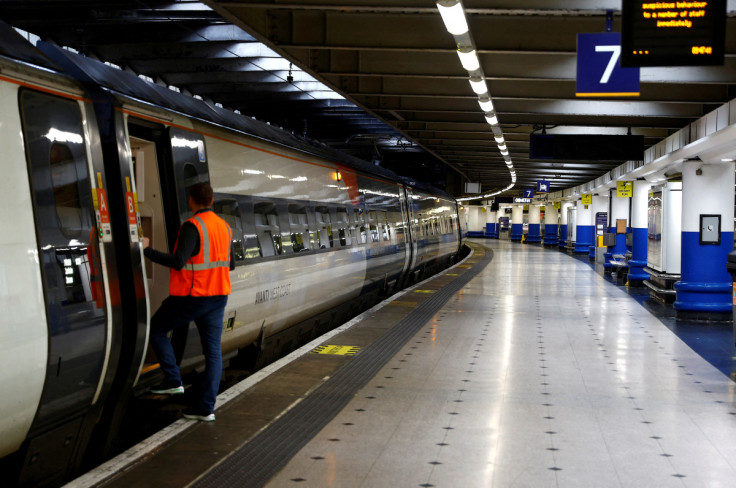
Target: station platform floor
520, 367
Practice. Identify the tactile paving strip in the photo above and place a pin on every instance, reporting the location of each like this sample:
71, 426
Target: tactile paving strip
262, 457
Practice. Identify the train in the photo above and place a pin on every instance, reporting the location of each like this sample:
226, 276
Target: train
95, 158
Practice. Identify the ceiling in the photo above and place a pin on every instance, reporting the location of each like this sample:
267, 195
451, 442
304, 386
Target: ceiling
407, 103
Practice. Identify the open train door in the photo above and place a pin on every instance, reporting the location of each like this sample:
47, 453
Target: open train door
167, 162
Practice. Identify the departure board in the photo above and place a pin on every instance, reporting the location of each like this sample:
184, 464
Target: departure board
687, 33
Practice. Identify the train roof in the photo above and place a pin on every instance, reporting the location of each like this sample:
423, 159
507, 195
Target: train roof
14, 46
130, 85
88, 70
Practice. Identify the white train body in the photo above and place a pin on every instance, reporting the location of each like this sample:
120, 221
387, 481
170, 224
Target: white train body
317, 237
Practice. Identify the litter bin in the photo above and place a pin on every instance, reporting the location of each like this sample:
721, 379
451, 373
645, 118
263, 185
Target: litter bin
731, 267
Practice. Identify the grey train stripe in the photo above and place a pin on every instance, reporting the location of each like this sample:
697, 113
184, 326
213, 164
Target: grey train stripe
260, 459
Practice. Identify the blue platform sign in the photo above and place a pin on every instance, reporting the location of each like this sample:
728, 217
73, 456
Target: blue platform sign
528, 192
599, 71
542, 186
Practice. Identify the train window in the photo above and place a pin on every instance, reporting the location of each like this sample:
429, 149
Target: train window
190, 165
359, 222
324, 226
343, 223
230, 212
374, 233
64, 178
300, 237
267, 229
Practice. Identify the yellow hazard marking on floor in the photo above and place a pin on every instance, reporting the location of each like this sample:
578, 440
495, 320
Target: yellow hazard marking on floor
452, 274
336, 350
404, 304
464, 266
425, 291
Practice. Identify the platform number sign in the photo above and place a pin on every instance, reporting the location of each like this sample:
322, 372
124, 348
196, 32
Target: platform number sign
528, 192
599, 71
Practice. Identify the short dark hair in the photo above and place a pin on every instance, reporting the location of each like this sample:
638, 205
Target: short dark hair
202, 194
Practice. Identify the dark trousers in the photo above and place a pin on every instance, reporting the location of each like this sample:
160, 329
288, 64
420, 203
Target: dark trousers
208, 314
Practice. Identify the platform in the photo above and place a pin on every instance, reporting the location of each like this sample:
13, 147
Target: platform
535, 372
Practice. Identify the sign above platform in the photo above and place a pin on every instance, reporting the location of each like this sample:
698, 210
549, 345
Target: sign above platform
687, 33
599, 71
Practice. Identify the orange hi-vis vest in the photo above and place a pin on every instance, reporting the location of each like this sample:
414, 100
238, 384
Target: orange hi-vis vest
208, 272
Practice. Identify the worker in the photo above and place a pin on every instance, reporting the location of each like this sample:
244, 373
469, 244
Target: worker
199, 285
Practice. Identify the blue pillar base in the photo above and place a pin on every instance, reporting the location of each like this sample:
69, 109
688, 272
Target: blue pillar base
563, 236
550, 235
639, 257
706, 288
490, 231
582, 248
704, 298
636, 273
534, 234
517, 231
585, 235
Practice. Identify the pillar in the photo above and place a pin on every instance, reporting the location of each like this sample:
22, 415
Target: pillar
705, 285
639, 226
563, 223
517, 222
534, 234
491, 225
550, 225
476, 221
584, 228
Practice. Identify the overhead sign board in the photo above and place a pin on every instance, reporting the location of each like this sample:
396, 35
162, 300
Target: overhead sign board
528, 192
672, 33
587, 199
542, 186
586, 147
599, 72
522, 200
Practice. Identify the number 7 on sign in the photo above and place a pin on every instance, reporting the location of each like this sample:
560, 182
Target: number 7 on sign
615, 55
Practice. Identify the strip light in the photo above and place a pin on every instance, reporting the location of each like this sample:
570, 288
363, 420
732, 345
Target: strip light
469, 60
479, 86
486, 105
453, 16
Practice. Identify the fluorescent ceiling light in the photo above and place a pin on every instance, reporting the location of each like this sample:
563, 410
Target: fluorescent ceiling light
502, 147
486, 105
469, 60
499, 139
479, 86
492, 119
454, 18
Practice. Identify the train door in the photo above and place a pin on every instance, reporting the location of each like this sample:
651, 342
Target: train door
69, 256
167, 163
415, 229
409, 242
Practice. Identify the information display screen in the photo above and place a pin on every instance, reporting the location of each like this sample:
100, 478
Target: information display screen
672, 33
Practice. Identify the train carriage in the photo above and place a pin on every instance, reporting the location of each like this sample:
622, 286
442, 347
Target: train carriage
106, 158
